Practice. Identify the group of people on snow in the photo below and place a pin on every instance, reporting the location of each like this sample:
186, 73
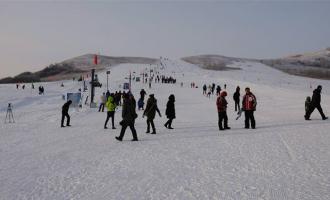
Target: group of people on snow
129, 113
248, 106
208, 90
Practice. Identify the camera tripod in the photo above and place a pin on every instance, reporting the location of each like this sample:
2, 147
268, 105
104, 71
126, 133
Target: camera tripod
9, 115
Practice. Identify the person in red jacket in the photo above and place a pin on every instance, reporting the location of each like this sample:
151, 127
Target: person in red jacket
249, 104
222, 111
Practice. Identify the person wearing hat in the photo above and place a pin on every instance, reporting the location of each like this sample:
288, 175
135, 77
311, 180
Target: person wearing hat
65, 113
316, 103
222, 111
249, 104
150, 112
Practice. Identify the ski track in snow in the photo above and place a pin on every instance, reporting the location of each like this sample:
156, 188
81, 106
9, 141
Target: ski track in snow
284, 158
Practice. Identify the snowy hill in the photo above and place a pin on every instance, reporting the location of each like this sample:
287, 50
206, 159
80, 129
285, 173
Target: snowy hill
75, 67
214, 62
286, 157
311, 64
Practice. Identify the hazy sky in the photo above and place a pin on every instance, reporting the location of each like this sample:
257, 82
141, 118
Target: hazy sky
35, 34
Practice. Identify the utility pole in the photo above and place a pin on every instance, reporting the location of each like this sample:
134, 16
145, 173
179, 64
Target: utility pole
130, 81
108, 72
92, 86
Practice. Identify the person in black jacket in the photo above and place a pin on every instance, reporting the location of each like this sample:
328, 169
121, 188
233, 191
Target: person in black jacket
316, 103
65, 113
150, 112
142, 94
129, 115
236, 98
170, 111
218, 90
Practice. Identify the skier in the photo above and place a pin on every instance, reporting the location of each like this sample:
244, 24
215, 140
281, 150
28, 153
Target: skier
222, 111
249, 104
111, 107
316, 103
129, 115
236, 99
170, 111
65, 113
103, 101
150, 112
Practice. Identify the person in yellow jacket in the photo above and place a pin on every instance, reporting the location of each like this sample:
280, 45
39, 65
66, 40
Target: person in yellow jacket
111, 107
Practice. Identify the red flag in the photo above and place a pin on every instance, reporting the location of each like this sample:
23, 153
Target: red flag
95, 59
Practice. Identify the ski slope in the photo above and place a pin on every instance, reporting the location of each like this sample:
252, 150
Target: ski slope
286, 157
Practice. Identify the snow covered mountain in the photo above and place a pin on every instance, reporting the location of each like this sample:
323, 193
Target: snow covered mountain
286, 157
74, 67
312, 64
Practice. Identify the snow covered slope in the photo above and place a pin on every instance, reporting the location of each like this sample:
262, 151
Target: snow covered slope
284, 158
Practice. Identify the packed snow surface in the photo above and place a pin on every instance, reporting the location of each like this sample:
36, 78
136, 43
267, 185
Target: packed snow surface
286, 157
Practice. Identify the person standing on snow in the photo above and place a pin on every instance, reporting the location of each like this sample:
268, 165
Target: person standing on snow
218, 90
65, 113
107, 95
142, 94
129, 115
111, 107
316, 103
249, 104
150, 112
236, 99
222, 111
103, 100
204, 89
170, 111
213, 88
